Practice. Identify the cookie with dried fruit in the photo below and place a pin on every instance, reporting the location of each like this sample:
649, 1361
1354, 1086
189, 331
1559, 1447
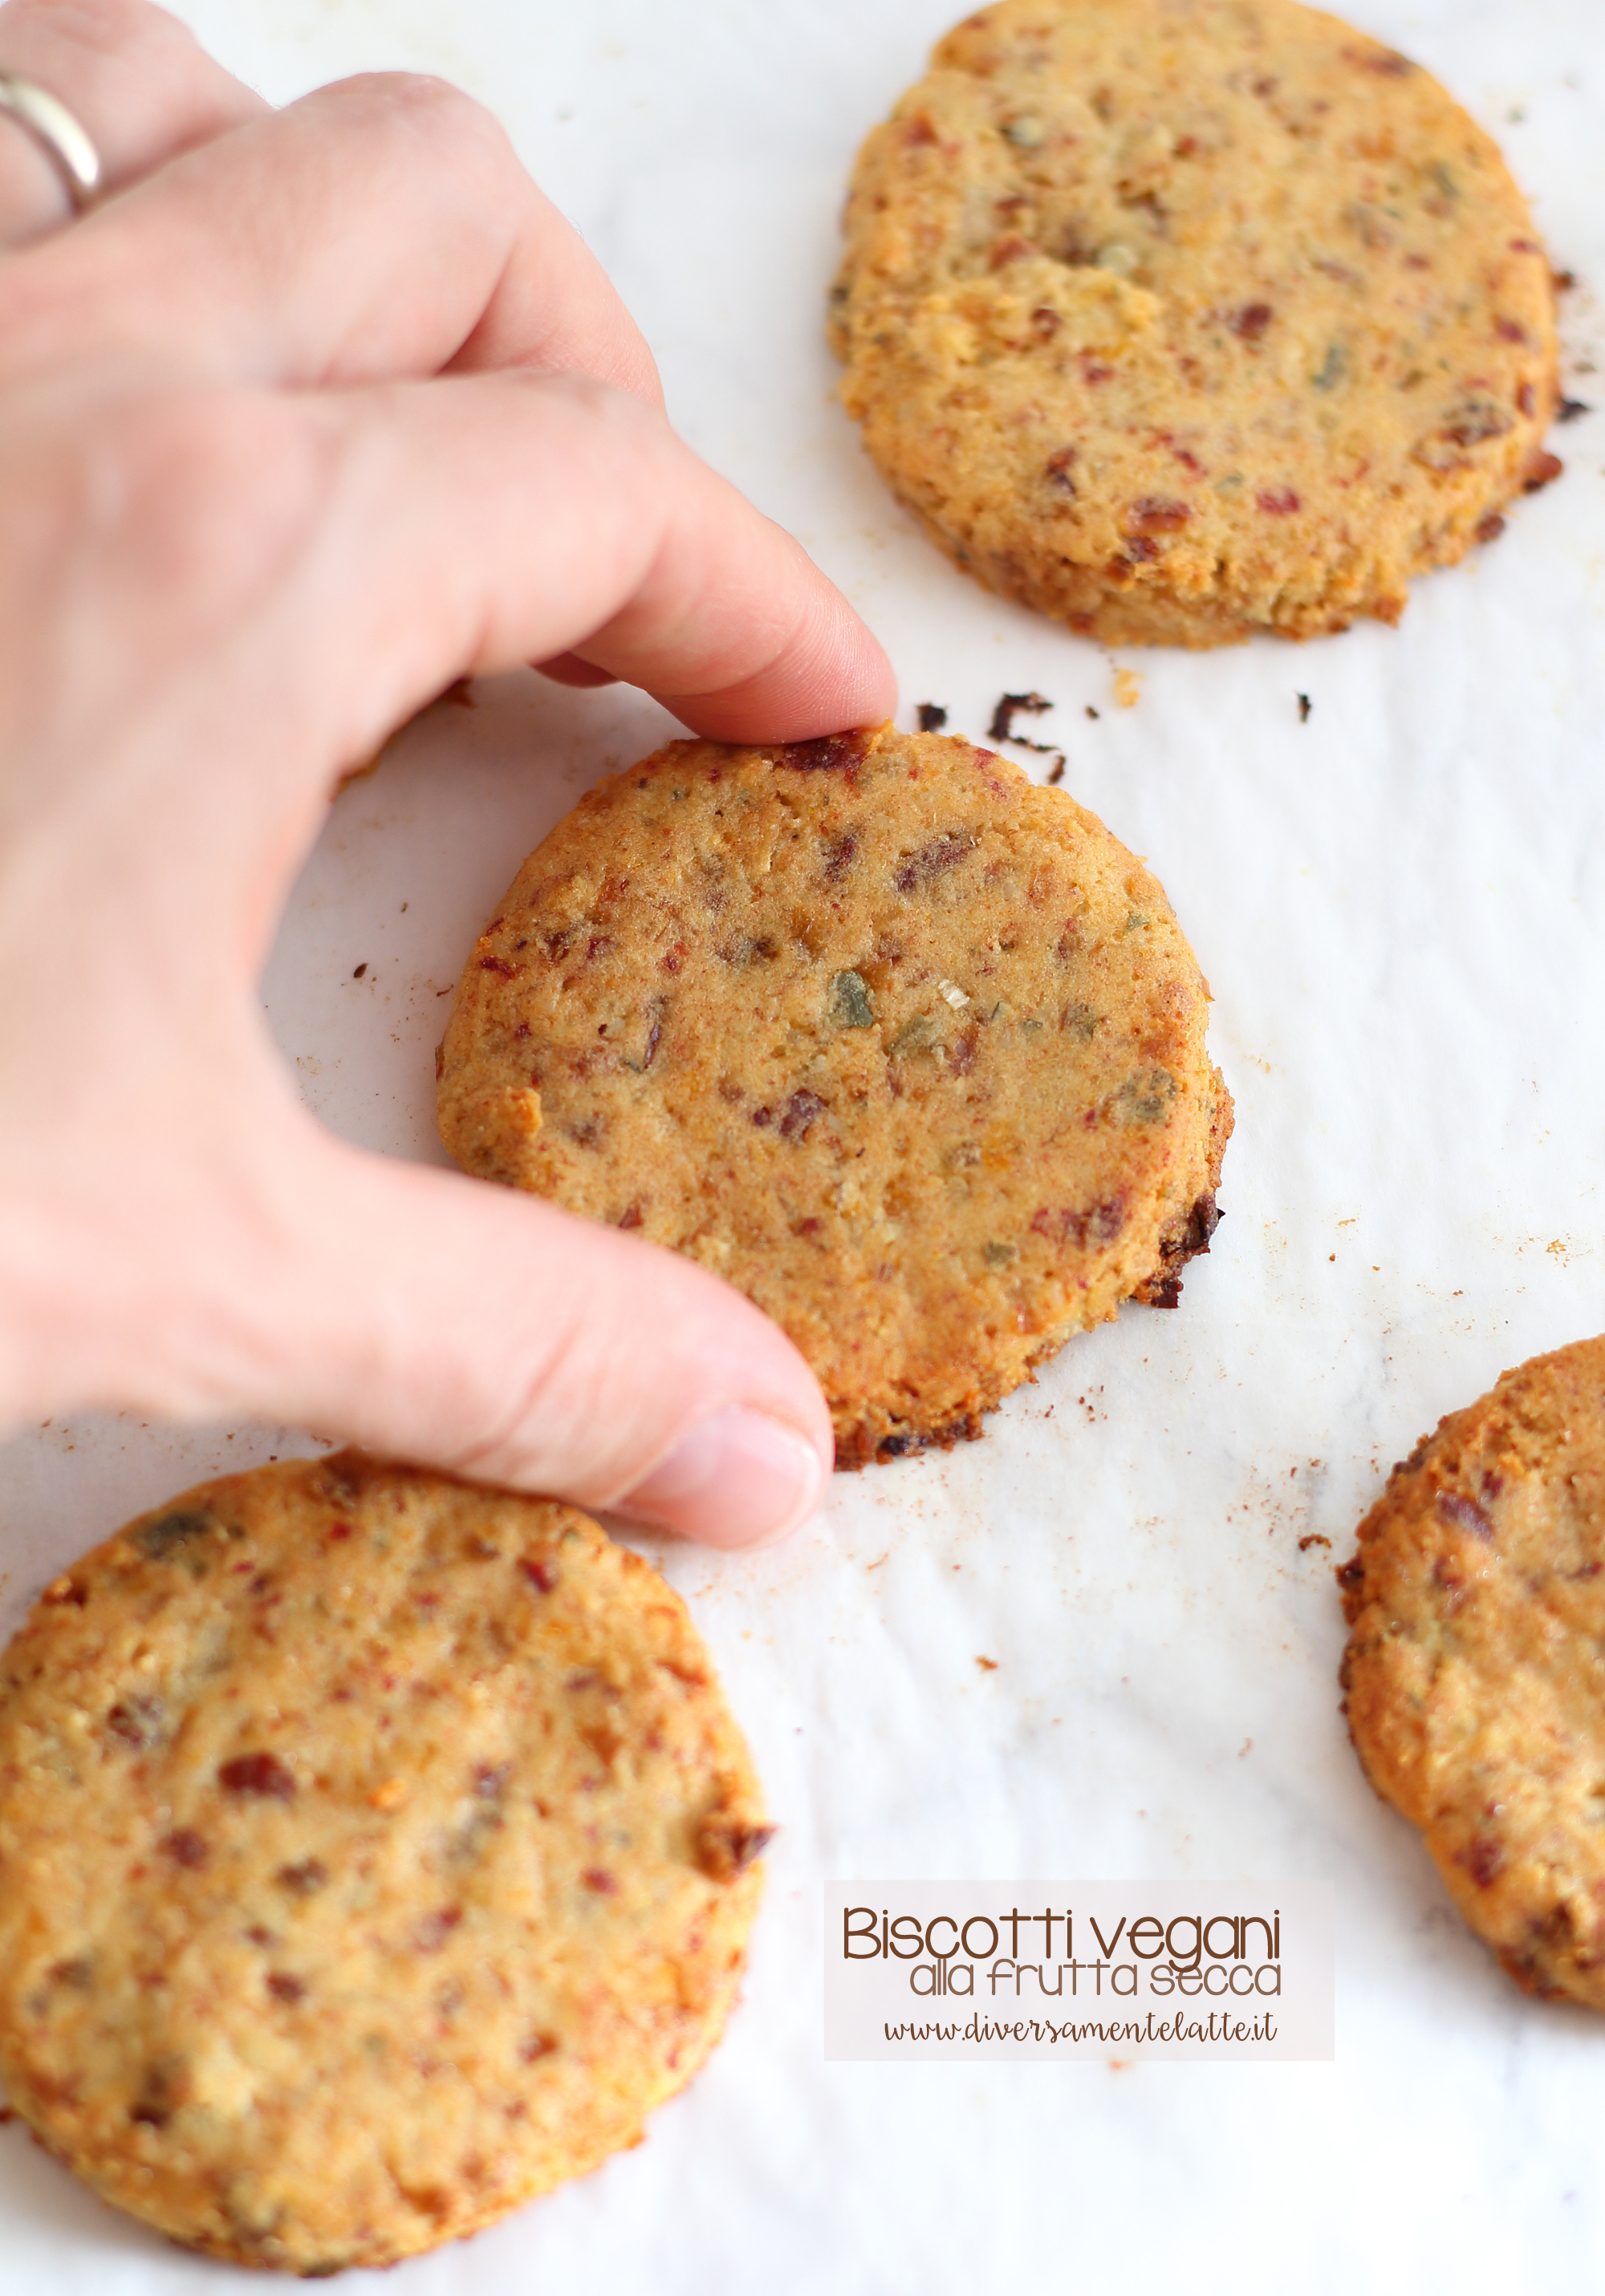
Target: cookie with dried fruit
375, 1852
1182, 319
1474, 1677
908, 1048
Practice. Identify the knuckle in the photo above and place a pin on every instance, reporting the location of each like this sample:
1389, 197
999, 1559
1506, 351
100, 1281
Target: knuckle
197, 493
421, 107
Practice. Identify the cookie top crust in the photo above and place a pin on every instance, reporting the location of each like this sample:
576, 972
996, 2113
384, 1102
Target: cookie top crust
1179, 319
1475, 1670
906, 1047
375, 1851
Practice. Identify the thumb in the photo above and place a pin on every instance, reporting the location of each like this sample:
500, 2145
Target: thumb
437, 1317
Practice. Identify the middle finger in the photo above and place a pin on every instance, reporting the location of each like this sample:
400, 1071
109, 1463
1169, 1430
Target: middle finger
379, 229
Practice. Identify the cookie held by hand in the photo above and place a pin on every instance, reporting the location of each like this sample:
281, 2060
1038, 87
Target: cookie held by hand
1182, 319
1474, 1673
908, 1048
375, 1852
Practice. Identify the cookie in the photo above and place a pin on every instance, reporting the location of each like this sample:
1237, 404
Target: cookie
1475, 1672
909, 1049
1182, 319
375, 1852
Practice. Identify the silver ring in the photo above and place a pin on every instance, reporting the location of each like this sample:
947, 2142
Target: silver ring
60, 133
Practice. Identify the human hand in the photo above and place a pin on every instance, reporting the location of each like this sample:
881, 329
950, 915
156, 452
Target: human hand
320, 410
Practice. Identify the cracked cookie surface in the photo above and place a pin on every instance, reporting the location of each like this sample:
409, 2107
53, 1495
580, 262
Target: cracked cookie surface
1475, 1671
906, 1047
1179, 319
376, 1851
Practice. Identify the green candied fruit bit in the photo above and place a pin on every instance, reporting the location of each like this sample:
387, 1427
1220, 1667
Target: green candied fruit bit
855, 1006
1146, 1097
997, 1255
169, 1532
1080, 1020
1332, 368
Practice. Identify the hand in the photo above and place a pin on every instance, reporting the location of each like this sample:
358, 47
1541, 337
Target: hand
320, 410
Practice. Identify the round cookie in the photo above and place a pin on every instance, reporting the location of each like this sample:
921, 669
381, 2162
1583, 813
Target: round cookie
1475, 1671
909, 1049
1182, 319
375, 1852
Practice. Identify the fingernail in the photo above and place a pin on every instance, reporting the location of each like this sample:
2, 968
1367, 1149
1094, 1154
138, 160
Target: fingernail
734, 1480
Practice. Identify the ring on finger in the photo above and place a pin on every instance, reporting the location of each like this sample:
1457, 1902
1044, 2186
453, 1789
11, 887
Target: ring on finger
60, 133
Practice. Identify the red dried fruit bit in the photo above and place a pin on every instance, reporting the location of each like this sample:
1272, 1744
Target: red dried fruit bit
136, 1721
1526, 399
1094, 370
1251, 322
1057, 470
305, 1878
1278, 501
285, 1988
1044, 318
1542, 468
1099, 1223
1484, 1859
1157, 514
337, 1531
541, 1573
1385, 60
186, 1847
497, 965
596, 1877
1477, 419
1008, 250
537, 2046
839, 855
830, 754
1510, 331
435, 1928
801, 1109
942, 853
631, 1217
490, 1780
917, 131
1466, 1513
257, 1774
1491, 528
726, 1847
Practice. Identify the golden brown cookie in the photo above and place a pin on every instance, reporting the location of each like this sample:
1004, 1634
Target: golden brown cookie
1180, 319
1475, 1671
375, 1852
908, 1048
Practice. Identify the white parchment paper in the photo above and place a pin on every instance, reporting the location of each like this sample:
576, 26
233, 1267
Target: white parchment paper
1401, 908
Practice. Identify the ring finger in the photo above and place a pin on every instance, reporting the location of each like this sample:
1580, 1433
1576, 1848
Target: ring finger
137, 82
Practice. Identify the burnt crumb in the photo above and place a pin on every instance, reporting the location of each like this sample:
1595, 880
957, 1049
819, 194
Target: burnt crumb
1490, 529
169, 1532
1572, 410
933, 716
945, 852
1351, 1577
357, 970
1009, 706
726, 1847
74, 1974
187, 1848
1056, 771
1312, 1538
257, 1774
856, 1448
1304, 706
1090, 712
1188, 1240
304, 1879
830, 754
